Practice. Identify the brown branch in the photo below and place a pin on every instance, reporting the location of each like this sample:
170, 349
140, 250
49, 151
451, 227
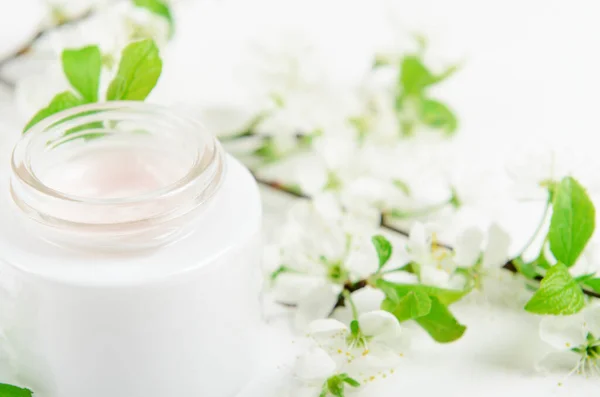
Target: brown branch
27, 46
510, 265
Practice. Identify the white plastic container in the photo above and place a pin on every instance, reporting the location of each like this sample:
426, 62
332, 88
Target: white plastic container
129, 246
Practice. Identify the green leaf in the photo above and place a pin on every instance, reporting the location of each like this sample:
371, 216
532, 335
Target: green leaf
64, 100
14, 391
437, 115
441, 325
383, 248
593, 283
572, 223
139, 70
413, 305
559, 294
414, 76
82, 68
160, 8
445, 296
403, 186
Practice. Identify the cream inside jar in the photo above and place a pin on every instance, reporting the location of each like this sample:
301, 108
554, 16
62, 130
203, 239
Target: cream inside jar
129, 252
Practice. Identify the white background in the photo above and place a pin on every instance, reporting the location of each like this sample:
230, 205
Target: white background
531, 72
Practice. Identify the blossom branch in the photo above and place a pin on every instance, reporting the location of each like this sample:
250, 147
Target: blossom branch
510, 265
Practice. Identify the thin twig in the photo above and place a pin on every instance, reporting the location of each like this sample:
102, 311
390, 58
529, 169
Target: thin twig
510, 265
27, 46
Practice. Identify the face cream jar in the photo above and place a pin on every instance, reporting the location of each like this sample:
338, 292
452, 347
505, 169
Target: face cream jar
129, 249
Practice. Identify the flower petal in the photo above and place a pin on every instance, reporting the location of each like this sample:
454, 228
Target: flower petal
563, 361
314, 366
418, 240
291, 288
379, 324
496, 250
468, 247
362, 259
592, 319
318, 303
563, 332
326, 328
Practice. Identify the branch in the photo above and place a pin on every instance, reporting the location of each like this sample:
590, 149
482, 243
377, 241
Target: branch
510, 265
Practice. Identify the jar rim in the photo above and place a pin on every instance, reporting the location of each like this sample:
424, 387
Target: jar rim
198, 184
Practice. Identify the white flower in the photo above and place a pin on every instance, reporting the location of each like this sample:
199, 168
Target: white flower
311, 372
575, 341
438, 264
539, 162
64, 10
320, 249
374, 346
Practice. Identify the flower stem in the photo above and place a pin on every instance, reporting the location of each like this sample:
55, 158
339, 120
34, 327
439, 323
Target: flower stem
538, 229
348, 298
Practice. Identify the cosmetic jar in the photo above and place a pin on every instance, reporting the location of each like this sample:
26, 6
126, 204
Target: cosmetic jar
129, 251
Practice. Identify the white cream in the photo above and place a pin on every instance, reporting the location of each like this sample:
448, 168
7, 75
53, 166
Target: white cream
111, 315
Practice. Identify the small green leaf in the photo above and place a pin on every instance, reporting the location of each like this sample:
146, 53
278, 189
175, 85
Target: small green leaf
383, 248
139, 70
413, 305
414, 76
559, 294
437, 115
441, 325
445, 296
82, 68
403, 186
14, 391
572, 223
64, 100
593, 283
159, 8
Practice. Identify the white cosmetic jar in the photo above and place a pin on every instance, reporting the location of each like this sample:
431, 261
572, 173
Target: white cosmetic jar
129, 251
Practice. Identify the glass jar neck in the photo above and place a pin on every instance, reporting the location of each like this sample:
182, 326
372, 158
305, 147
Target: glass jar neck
115, 175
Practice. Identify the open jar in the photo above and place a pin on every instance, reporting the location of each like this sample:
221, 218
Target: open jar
129, 247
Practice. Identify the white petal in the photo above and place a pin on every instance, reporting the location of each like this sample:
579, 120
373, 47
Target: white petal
291, 288
326, 328
368, 299
433, 276
563, 332
327, 206
379, 324
316, 365
362, 259
318, 303
592, 319
496, 250
418, 240
382, 357
563, 361
468, 247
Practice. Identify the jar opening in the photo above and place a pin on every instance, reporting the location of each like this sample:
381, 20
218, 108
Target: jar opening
115, 169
